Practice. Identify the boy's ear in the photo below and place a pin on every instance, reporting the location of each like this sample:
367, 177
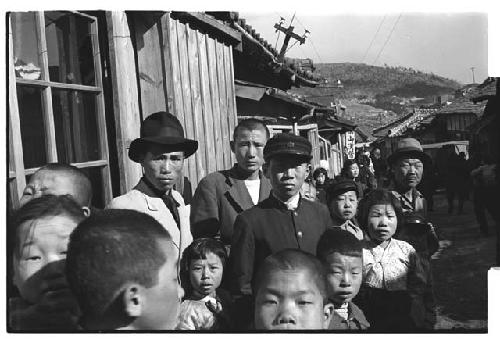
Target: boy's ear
132, 300
231, 144
328, 310
86, 211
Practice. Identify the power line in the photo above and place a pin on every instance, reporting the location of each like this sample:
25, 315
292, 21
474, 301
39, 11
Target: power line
376, 33
388, 38
310, 38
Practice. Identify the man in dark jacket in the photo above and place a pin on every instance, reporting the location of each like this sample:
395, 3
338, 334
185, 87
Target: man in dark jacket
222, 195
283, 220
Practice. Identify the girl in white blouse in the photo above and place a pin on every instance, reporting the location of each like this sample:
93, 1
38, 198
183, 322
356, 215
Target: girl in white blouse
393, 278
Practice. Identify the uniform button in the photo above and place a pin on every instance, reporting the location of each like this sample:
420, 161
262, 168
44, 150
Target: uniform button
295, 213
299, 234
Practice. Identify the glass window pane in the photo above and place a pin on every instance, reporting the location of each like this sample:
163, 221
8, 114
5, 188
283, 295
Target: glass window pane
69, 48
32, 126
75, 120
95, 176
26, 62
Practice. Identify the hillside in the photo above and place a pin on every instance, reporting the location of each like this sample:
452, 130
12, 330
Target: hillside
375, 95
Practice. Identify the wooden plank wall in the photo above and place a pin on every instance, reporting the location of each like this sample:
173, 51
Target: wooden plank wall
199, 89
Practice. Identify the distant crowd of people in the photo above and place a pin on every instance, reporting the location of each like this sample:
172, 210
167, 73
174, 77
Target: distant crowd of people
264, 245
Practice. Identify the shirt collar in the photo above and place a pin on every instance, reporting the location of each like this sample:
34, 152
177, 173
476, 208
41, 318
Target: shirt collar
292, 203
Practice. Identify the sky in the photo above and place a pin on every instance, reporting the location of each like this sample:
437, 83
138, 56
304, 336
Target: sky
446, 44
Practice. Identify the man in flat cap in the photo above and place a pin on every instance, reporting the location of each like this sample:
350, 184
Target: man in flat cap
407, 164
283, 220
161, 151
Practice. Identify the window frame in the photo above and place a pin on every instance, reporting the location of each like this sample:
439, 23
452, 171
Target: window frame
17, 171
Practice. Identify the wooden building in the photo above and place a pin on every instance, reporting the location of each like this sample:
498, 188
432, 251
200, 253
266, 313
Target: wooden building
484, 133
80, 83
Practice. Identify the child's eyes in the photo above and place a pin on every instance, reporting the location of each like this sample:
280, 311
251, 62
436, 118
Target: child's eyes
33, 258
197, 268
270, 302
304, 302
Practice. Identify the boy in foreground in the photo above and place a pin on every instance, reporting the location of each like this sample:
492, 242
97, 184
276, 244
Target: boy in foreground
291, 293
122, 268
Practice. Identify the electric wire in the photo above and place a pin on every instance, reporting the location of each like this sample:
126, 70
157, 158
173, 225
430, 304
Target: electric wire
388, 38
376, 33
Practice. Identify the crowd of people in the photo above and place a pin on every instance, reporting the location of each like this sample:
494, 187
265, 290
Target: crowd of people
265, 245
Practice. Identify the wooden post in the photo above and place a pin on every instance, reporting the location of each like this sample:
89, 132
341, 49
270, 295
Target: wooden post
16, 147
125, 96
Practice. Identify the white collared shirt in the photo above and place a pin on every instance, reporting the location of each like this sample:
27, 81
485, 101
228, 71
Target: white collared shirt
292, 203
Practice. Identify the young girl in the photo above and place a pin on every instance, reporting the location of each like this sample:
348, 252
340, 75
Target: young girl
394, 280
39, 234
205, 306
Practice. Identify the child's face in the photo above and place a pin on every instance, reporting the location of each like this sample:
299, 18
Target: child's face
205, 275
39, 260
382, 222
161, 302
353, 171
49, 182
320, 179
290, 300
344, 273
344, 205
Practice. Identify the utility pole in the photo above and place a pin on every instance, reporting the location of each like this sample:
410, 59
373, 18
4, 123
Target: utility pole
288, 35
473, 80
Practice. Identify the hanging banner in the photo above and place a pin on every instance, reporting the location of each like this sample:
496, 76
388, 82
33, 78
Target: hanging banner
350, 143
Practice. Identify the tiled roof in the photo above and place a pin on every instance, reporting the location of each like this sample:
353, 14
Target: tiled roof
462, 106
488, 89
410, 121
291, 66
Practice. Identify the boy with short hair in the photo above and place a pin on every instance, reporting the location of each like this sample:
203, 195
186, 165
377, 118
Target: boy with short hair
284, 220
342, 256
59, 179
122, 268
291, 293
342, 201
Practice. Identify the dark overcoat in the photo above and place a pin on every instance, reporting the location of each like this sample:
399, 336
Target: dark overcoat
218, 199
268, 228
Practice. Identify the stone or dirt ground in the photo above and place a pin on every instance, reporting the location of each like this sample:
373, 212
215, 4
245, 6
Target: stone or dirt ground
460, 268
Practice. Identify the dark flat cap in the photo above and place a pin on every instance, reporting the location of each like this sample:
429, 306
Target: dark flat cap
287, 144
340, 186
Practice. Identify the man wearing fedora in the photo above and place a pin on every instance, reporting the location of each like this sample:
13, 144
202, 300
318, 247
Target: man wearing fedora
283, 220
407, 164
161, 151
222, 195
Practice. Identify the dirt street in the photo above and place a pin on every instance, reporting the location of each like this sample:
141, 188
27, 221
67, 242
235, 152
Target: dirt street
460, 268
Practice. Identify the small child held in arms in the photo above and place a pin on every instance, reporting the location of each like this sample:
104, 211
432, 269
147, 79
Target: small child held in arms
122, 268
206, 306
342, 255
39, 234
291, 293
394, 280
342, 201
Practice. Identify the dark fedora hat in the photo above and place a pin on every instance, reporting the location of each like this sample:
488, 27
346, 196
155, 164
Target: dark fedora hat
288, 144
164, 129
409, 148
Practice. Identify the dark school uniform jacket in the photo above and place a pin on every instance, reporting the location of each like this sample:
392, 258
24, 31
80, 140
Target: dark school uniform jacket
268, 228
218, 199
355, 320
